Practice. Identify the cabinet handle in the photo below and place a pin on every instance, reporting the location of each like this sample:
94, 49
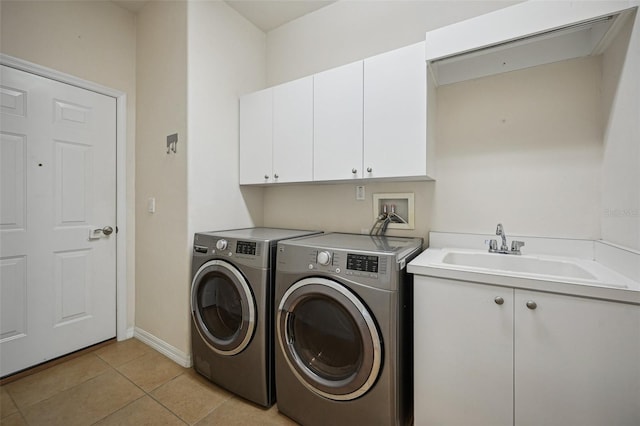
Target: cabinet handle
266, 176
354, 171
531, 304
369, 169
276, 176
499, 300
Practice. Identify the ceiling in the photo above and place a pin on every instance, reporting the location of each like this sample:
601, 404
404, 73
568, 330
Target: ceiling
264, 14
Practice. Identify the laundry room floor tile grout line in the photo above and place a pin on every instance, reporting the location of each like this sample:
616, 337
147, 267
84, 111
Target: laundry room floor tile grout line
125, 382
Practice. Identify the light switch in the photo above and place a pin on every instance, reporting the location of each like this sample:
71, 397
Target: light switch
151, 205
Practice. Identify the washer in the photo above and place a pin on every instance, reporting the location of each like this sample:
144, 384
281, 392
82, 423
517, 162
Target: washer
232, 309
343, 329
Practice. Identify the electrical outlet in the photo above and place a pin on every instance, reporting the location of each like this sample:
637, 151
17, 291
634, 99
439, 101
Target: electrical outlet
400, 206
360, 193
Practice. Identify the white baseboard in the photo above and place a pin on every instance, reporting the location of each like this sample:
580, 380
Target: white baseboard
163, 347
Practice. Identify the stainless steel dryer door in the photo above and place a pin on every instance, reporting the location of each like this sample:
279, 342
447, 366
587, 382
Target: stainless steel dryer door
223, 307
329, 339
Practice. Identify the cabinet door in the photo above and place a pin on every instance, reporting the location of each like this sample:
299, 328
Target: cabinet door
577, 361
337, 146
463, 353
256, 120
395, 113
293, 131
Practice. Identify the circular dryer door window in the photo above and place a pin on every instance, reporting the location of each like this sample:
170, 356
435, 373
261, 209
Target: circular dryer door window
222, 307
329, 339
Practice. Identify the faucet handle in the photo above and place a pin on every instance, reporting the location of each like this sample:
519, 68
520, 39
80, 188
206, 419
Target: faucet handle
493, 245
515, 246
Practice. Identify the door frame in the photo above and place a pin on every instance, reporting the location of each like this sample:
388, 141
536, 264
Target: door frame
122, 332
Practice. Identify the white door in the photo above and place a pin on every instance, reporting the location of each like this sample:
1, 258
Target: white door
256, 137
463, 353
577, 361
337, 123
58, 185
293, 131
395, 113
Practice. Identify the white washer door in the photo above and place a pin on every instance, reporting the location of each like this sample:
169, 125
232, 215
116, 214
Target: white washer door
329, 339
223, 307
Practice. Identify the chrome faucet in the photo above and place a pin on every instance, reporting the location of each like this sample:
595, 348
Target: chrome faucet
500, 233
504, 248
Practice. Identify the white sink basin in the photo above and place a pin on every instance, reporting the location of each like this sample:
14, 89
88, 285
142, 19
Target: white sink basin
518, 264
554, 271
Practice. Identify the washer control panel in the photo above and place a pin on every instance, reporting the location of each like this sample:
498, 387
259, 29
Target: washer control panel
246, 252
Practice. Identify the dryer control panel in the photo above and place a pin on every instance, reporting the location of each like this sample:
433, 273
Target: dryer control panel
362, 263
369, 266
378, 262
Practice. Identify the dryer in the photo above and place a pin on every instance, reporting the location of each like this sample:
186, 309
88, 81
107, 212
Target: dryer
343, 329
232, 309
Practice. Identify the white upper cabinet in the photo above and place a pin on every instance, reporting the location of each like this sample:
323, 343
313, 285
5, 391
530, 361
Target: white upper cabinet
337, 146
293, 131
276, 134
524, 35
370, 119
256, 135
395, 114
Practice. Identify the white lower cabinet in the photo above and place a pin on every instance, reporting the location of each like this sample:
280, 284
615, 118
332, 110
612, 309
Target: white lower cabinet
491, 355
463, 356
577, 361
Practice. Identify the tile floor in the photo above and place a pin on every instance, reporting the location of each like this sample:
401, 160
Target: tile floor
126, 383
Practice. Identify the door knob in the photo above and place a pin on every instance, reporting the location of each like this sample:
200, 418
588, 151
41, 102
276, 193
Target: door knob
96, 234
107, 230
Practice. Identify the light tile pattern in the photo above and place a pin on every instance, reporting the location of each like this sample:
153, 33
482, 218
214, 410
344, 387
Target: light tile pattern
126, 383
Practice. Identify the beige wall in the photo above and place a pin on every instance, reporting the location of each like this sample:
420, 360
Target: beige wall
226, 58
162, 257
194, 59
95, 41
524, 148
348, 30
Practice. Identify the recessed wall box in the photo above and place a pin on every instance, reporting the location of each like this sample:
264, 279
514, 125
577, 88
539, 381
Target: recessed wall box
400, 204
521, 36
